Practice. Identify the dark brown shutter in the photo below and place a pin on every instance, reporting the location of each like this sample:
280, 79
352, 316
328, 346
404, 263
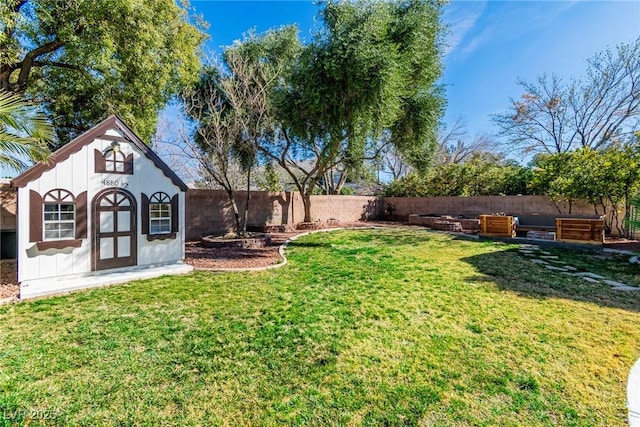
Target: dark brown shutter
174, 214
81, 215
145, 214
128, 164
35, 216
99, 160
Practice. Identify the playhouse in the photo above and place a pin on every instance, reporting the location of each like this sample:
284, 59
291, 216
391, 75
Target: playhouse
104, 209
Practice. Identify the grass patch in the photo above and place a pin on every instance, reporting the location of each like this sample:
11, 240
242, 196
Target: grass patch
361, 327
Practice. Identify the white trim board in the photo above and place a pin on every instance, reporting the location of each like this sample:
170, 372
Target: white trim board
633, 395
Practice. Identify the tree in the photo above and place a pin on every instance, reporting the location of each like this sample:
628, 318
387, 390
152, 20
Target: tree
557, 117
216, 131
24, 133
552, 177
606, 178
85, 59
455, 147
372, 68
231, 110
483, 174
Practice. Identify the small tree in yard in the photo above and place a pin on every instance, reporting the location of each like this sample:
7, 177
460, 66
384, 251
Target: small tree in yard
608, 179
206, 104
553, 177
231, 110
373, 68
222, 132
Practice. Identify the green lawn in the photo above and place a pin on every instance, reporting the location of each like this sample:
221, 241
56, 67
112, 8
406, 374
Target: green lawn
361, 327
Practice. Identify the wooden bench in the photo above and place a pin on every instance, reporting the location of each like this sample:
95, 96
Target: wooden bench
497, 225
525, 223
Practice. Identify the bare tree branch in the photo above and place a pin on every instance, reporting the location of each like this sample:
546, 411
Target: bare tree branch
593, 111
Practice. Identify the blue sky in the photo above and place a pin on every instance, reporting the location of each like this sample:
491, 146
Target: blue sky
490, 43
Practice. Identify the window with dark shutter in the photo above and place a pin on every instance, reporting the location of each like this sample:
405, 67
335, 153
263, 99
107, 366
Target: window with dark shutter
59, 215
57, 220
112, 160
159, 216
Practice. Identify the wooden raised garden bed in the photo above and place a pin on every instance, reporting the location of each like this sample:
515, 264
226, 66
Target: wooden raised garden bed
580, 230
497, 226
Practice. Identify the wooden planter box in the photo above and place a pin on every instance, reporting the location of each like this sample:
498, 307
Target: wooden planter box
580, 230
497, 225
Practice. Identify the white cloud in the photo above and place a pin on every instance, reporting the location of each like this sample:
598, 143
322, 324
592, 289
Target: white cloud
461, 18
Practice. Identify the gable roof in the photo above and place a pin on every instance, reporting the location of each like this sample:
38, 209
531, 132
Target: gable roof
98, 131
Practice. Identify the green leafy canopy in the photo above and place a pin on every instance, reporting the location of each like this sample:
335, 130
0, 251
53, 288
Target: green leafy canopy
86, 59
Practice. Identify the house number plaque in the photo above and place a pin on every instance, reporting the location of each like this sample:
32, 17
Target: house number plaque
114, 183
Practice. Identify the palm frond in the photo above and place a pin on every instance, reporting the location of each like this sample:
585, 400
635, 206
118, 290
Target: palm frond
24, 132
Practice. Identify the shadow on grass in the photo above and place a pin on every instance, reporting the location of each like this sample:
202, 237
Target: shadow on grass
511, 271
394, 237
301, 243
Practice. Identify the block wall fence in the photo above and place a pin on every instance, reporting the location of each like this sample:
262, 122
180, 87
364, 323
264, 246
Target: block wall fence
209, 211
8, 208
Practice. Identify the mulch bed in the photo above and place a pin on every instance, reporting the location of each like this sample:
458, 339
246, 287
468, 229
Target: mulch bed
622, 244
229, 257
8, 286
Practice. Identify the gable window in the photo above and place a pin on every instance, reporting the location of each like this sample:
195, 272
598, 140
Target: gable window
159, 213
114, 161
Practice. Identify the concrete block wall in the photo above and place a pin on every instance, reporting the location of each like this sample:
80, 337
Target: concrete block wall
209, 211
471, 207
8, 207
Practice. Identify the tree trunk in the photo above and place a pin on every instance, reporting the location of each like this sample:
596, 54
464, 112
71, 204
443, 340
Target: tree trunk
236, 212
615, 216
246, 205
342, 182
608, 223
306, 202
